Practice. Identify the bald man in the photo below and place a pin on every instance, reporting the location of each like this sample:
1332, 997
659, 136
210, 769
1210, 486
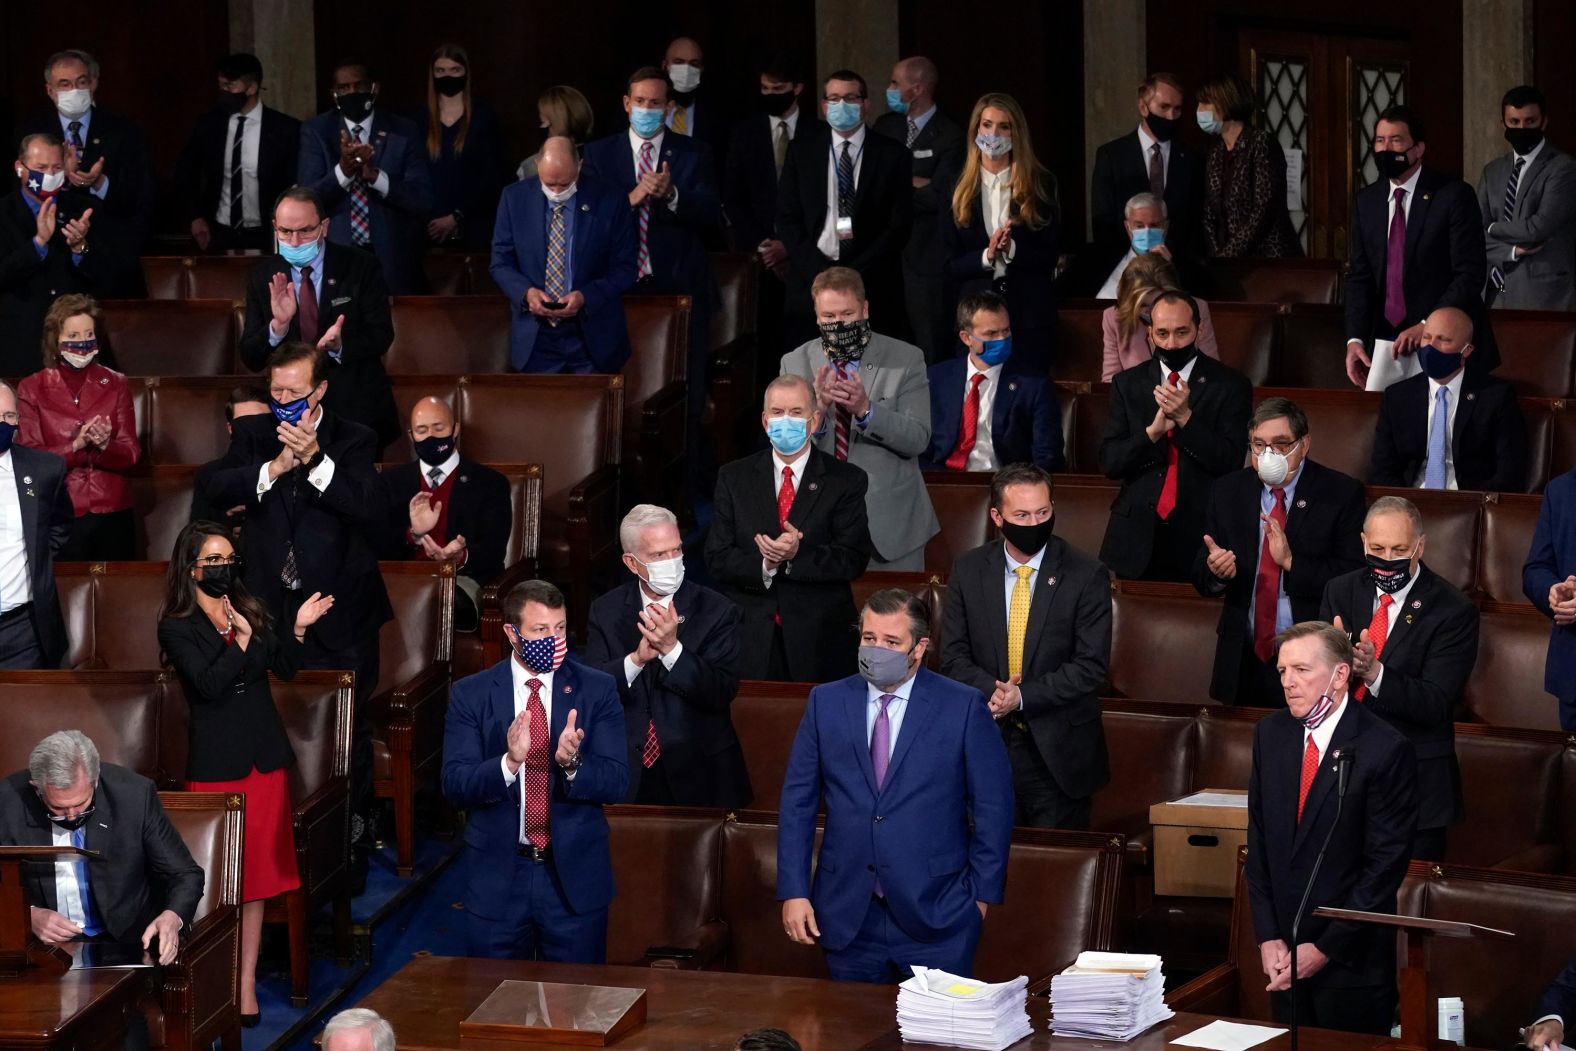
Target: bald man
935, 142
567, 315
695, 111
443, 507
1450, 427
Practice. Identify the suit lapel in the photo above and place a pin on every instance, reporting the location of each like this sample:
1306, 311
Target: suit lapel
1422, 197
855, 700
628, 630
916, 723
1463, 417
27, 504
566, 695
1324, 780
1529, 178
1306, 498
991, 582
1049, 577
809, 491
1418, 603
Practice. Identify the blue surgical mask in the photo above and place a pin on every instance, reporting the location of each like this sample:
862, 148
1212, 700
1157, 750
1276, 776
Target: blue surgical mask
301, 254
1209, 122
288, 411
993, 145
1148, 238
995, 351
894, 101
788, 433
645, 120
1436, 362
844, 116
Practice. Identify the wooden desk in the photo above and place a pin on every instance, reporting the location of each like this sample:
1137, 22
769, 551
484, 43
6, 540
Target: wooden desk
427, 998
75, 1011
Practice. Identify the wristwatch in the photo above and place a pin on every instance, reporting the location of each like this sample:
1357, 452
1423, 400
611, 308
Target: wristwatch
571, 766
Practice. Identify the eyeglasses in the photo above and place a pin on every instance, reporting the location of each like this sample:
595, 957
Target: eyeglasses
844, 98
219, 560
1280, 445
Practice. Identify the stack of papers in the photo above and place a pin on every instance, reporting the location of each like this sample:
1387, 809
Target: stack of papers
935, 1007
1108, 995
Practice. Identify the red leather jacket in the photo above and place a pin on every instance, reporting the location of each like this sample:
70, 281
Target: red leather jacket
51, 417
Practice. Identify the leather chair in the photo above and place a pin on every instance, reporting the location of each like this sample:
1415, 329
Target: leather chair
119, 711
155, 337
655, 407
962, 503
1153, 749
1225, 747
766, 715
162, 499
1276, 281
1080, 341
756, 942
125, 593
220, 276
455, 273
1511, 822
1162, 642
186, 418
74, 587
1083, 508
1245, 333
165, 275
1083, 444
1341, 423
1506, 685
1450, 521
1567, 822
448, 335
1504, 539
732, 378
1562, 437
520, 556
674, 856
1538, 415
1537, 350
1310, 350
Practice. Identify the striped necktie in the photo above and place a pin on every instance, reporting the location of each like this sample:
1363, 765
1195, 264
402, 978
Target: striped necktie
643, 216
236, 212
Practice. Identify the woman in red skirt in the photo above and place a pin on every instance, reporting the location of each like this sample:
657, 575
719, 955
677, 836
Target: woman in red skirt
221, 642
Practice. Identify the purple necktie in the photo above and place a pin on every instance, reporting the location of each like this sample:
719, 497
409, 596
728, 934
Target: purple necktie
1394, 296
881, 754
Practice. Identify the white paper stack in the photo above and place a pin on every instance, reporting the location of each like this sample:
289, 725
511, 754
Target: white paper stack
1108, 995
935, 1007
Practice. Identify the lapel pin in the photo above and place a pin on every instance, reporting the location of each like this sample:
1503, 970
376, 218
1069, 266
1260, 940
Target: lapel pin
103, 381
814, 486
97, 141
102, 825
1417, 603
585, 207
568, 688
1409, 618
464, 478
333, 280
1012, 385
1471, 397
1426, 196
30, 492
1302, 503
1050, 582
682, 618
27, 479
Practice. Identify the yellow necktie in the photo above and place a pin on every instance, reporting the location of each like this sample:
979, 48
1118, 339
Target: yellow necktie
1018, 620
681, 120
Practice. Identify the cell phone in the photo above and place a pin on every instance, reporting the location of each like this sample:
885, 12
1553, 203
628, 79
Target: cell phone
552, 305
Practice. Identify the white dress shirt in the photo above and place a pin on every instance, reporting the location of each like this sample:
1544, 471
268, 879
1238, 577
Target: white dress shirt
669, 659
895, 709
1147, 141
1390, 617
996, 194
1410, 186
1453, 402
251, 138
983, 456
635, 144
828, 242
1108, 290
16, 580
68, 892
380, 185
444, 469
318, 477
797, 467
1326, 731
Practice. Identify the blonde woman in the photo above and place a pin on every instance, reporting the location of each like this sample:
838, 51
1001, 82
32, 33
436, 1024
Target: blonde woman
465, 148
1125, 332
560, 110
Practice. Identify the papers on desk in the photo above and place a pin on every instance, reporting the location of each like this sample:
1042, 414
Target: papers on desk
1108, 995
1228, 1036
1231, 799
935, 1007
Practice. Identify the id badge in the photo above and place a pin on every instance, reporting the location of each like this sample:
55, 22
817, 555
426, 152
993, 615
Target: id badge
845, 228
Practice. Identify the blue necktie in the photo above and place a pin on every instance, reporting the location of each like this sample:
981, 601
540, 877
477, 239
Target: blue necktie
90, 918
1438, 441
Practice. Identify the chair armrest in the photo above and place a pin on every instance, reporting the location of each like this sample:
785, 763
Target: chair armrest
189, 1001
659, 440
593, 507
707, 943
321, 824
1213, 992
414, 712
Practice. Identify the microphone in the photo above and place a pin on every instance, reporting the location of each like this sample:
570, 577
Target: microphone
1343, 758
1343, 767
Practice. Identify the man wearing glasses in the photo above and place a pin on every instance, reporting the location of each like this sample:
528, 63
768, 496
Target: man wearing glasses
35, 522
846, 199
332, 297
1275, 534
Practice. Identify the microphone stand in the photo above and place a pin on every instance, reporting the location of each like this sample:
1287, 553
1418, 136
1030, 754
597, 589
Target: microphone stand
1342, 762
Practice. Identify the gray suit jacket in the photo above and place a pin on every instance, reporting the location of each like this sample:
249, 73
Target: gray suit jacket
889, 448
1545, 214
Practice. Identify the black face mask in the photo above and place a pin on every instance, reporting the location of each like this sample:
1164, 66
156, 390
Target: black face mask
1162, 128
433, 451
232, 102
1523, 140
449, 86
775, 105
1389, 574
260, 432
216, 581
355, 106
1392, 163
1176, 358
1029, 538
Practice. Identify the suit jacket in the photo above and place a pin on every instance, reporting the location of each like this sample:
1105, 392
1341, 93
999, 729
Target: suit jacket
471, 181
935, 834
232, 724
810, 593
1026, 285
1246, 216
1324, 522
937, 149
332, 532
1066, 652
399, 219
689, 704
1369, 848
1443, 265
51, 417
475, 738
358, 388
709, 126
1427, 659
1560, 997
1025, 421
202, 175
889, 449
1545, 214
479, 508
1213, 443
145, 869
1488, 441
602, 264
29, 285
749, 180
1552, 558
1121, 170
47, 520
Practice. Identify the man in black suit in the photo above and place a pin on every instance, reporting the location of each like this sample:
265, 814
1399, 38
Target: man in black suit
935, 145
145, 886
35, 522
1147, 160
331, 296
846, 199
1345, 970
106, 157
695, 112
1274, 535
1176, 424
1416, 640
1406, 264
788, 536
1557, 1005
240, 158
48, 248
1029, 626
312, 520
247, 406
1450, 427
672, 645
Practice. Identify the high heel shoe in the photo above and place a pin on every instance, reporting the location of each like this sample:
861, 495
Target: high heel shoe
251, 1021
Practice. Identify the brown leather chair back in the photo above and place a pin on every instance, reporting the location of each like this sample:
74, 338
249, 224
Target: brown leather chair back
1083, 444
74, 586
525, 502
1225, 747
220, 276
126, 601
422, 631
408, 390
1341, 423
1510, 821
1506, 685
756, 943
161, 498
1152, 751
1562, 437
1245, 333
1308, 352
1567, 822
315, 709
766, 715
1162, 642
165, 275
453, 273
1537, 414
1083, 508
738, 277
1080, 341
659, 339
159, 337
1504, 539
1450, 521
1537, 350
119, 711
962, 503
210, 824
186, 419
667, 863
1276, 280
448, 335
927, 587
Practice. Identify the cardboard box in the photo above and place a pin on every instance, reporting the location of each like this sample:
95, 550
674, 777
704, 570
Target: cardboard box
1196, 845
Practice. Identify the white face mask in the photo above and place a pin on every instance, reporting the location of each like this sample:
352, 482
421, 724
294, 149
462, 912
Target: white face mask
1273, 467
72, 104
560, 196
685, 77
78, 361
663, 578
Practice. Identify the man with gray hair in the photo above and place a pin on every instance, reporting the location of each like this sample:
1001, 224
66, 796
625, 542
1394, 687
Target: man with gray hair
1146, 220
672, 646
145, 886
1416, 639
358, 1029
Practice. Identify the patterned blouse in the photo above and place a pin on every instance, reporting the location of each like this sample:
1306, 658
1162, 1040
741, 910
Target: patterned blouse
1245, 199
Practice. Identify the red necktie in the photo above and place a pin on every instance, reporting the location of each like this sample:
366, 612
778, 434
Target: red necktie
1378, 631
843, 417
785, 498
1266, 587
1310, 767
306, 308
536, 776
651, 751
1168, 488
959, 459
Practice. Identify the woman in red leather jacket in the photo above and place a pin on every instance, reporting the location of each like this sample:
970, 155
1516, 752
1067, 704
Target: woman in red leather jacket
80, 410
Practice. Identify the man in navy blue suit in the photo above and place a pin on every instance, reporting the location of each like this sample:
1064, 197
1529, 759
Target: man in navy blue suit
532, 748
564, 253
984, 412
370, 168
917, 826
1548, 579
1558, 1004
